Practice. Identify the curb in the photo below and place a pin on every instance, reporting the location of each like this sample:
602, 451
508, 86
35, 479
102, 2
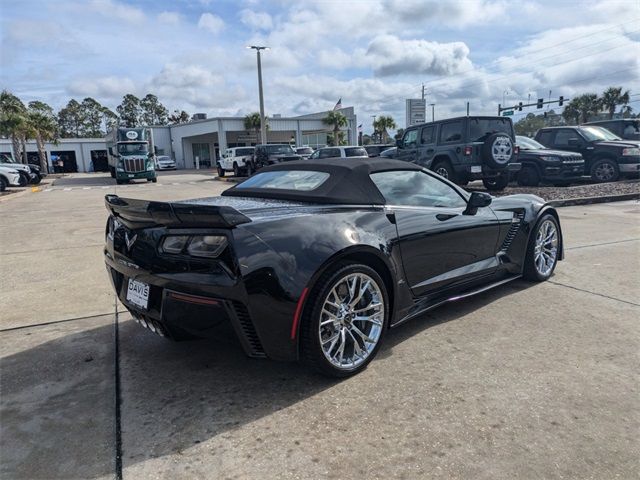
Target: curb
569, 202
229, 179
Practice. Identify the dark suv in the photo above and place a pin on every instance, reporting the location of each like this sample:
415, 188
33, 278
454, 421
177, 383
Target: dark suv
606, 155
464, 149
626, 128
268, 154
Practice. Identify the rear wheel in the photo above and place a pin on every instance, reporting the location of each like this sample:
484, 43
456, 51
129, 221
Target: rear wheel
528, 176
220, 171
495, 184
605, 170
236, 170
3, 184
154, 179
445, 170
37, 179
543, 249
345, 321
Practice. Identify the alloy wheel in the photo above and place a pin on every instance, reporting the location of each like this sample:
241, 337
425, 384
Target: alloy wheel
351, 321
604, 172
442, 172
546, 248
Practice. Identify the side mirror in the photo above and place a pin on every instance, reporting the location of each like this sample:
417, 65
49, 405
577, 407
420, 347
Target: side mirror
574, 142
399, 143
477, 200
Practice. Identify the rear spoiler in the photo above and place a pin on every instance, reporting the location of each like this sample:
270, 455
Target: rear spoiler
143, 213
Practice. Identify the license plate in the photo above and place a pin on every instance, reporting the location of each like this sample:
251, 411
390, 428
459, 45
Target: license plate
138, 293
476, 169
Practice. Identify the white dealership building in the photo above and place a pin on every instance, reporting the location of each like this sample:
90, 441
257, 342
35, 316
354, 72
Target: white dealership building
198, 140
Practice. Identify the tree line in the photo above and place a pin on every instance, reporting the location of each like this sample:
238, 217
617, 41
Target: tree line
580, 109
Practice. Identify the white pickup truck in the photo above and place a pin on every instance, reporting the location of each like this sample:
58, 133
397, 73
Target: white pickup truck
234, 160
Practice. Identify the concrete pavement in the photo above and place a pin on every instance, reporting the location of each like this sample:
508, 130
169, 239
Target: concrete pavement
526, 381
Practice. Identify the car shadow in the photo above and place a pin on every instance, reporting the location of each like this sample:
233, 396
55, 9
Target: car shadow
176, 395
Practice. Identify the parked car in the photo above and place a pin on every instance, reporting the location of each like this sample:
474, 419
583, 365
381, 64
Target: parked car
165, 162
10, 177
464, 149
606, 155
235, 160
390, 153
316, 260
339, 152
270, 154
376, 150
541, 164
28, 173
304, 152
625, 128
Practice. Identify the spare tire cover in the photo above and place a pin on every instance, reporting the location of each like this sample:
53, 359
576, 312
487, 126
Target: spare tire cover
498, 150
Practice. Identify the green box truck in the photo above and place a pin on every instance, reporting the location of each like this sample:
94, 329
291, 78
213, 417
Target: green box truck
131, 154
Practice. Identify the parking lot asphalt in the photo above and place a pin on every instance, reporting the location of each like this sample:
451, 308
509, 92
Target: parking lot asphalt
525, 381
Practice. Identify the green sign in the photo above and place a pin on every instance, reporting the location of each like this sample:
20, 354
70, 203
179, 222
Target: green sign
507, 113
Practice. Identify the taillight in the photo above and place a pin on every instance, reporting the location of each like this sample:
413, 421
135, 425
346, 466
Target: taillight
516, 149
468, 150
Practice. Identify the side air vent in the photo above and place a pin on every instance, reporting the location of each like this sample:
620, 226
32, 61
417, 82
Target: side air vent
516, 223
248, 330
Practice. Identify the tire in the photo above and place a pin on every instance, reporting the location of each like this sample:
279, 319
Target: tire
120, 182
496, 184
3, 184
445, 170
236, 170
24, 179
561, 184
36, 180
344, 330
498, 150
112, 171
250, 169
220, 171
154, 179
528, 176
605, 170
532, 265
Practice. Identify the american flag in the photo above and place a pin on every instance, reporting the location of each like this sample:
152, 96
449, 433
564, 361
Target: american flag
338, 105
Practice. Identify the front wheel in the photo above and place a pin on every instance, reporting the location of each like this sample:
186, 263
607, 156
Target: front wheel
445, 170
220, 171
154, 179
36, 180
528, 176
236, 170
605, 170
496, 183
250, 169
345, 320
543, 249
24, 179
3, 184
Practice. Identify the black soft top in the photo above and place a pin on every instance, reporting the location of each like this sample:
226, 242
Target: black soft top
348, 183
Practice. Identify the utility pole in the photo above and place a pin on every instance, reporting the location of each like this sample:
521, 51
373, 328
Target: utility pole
263, 124
375, 136
467, 109
433, 111
423, 91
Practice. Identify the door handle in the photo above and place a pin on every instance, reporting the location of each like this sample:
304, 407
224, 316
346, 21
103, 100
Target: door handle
445, 216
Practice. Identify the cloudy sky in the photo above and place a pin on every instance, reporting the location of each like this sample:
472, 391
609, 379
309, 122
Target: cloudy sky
372, 53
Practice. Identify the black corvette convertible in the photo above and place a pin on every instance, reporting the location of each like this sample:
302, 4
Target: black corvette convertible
316, 260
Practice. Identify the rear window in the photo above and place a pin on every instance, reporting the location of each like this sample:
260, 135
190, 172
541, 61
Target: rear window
299, 180
356, 152
276, 149
481, 128
304, 150
244, 151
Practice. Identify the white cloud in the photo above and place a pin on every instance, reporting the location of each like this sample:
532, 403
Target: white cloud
104, 87
211, 22
186, 76
171, 18
114, 9
256, 20
388, 55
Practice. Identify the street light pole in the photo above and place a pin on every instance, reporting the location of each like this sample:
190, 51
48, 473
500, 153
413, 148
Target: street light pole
433, 112
263, 125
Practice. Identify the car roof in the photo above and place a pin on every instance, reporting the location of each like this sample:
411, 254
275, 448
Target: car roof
495, 117
348, 183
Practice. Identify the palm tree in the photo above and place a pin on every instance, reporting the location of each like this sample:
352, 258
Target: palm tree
337, 120
44, 128
611, 98
582, 108
252, 123
382, 123
14, 123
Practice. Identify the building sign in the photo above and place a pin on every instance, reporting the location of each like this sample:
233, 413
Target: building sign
416, 111
132, 134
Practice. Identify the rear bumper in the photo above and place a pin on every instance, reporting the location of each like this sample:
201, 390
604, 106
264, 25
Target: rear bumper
176, 307
479, 172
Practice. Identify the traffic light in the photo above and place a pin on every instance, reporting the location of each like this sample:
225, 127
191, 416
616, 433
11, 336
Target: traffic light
560, 101
540, 103
520, 106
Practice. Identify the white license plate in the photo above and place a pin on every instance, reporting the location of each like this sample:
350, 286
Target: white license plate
476, 168
138, 293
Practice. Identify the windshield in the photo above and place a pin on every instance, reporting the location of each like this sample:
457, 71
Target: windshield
481, 128
286, 149
304, 150
598, 133
526, 143
4, 158
133, 149
288, 180
355, 152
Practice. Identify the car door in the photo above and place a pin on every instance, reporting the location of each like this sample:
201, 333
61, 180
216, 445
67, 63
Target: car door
407, 150
441, 246
427, 147
571, 140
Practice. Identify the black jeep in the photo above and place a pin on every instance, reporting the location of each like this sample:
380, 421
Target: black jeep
606, 155
541, 164
269, 154
464, 149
